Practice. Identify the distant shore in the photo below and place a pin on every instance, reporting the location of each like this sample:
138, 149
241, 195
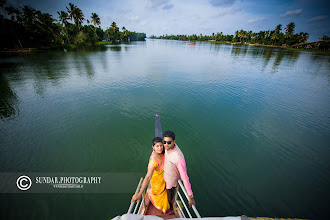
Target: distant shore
273, 46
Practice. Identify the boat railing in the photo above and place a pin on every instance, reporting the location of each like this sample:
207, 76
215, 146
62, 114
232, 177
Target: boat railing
184, 203
136, 206
178, 204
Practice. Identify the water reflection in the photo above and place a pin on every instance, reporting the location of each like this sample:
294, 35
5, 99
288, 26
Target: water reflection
45, 69
8, 99
239, 50
115, 48
214, 90
266, 54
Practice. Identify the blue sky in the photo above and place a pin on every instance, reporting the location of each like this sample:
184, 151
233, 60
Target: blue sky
158, 17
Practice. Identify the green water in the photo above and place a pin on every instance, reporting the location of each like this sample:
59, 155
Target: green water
252, 122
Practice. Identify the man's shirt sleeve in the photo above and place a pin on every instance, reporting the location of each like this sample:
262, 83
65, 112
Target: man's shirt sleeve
181, 165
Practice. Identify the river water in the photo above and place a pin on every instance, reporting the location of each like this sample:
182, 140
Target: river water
252, 122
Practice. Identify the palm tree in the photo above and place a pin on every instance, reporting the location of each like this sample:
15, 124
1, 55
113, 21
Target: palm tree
71, 11
249, 35
242, 34
126, 33
29, 17
79, 17
303, 37
114, 30
276, 35
75, 14
218, 36
95, 20
289, 30
64, 17
46, 24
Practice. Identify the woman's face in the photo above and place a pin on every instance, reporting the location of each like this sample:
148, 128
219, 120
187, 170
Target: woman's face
158, 147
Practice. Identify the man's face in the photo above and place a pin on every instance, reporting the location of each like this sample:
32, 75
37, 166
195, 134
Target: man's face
168, 140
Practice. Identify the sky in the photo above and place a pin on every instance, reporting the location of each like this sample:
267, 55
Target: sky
158, 17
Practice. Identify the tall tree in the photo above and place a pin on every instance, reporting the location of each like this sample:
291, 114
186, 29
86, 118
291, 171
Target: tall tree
95, 20
289, 30
64, 17
242, 34
303, 37
114, 31
289, 33
76, 15
276, 34
125, 33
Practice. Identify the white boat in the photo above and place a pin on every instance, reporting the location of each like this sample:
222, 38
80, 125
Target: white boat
144, 209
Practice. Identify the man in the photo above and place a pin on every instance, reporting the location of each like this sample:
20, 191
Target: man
175, 168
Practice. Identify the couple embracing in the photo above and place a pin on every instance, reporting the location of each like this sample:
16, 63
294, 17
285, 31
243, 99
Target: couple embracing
166, 166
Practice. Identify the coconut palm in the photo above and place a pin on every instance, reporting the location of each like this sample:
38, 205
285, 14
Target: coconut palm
275, 37
276, 34
64, 17
95, 21
75, 14
289, 30
242, 34
71, 10
303, 37
47, 26
125, 33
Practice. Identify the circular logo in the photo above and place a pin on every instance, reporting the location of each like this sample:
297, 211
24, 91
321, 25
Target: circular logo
23, 182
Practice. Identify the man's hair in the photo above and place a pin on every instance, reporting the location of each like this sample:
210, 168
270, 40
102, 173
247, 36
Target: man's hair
169, 134
156, 140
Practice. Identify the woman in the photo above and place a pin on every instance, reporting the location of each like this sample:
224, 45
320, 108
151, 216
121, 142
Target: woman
157, 193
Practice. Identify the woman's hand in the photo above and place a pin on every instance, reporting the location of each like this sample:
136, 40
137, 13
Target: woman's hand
136, 196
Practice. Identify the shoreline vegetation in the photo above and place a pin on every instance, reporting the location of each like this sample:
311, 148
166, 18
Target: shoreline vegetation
270, 38
25, 27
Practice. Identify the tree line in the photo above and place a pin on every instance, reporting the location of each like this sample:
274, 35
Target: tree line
270, 37
25, 26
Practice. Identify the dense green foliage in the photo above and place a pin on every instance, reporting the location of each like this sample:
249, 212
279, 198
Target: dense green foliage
28, 27
270, 37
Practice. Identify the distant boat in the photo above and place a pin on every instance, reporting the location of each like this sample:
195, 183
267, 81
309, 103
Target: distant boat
15, 51
192, 44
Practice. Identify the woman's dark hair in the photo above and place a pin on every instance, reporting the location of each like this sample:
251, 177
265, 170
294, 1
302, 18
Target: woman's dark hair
156, 140
169, 134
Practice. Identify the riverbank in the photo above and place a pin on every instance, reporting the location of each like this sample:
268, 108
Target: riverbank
272, 46
75, 46
57, 47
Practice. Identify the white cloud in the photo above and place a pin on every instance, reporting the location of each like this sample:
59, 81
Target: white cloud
157, 3
228, 11
218, 3
256, 20
168, 7
318, 18
134, 18
291, 13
